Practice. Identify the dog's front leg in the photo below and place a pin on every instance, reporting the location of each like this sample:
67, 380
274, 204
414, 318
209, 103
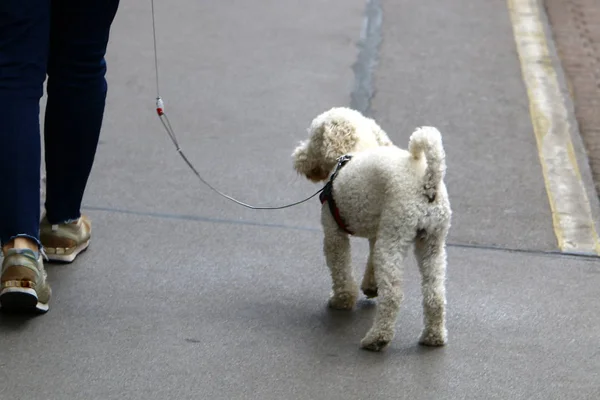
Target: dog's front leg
369, 286
388, 256
336, 246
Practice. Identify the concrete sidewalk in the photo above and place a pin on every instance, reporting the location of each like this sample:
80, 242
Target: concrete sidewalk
183, 295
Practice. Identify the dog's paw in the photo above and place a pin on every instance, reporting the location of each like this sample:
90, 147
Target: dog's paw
376, 341
369, 285
434, 338
343, 301
370, 292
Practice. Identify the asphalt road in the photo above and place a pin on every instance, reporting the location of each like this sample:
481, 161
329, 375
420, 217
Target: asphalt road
184, 295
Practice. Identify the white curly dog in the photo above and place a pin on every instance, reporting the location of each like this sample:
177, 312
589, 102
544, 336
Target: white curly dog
393, 197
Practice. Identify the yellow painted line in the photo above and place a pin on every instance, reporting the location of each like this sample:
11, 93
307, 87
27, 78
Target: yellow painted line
571, 212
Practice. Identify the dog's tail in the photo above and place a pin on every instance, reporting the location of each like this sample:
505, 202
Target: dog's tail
427, 141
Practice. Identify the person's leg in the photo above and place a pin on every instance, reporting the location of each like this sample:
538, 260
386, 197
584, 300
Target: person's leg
24, 28
76, 97
24, 32
77, 91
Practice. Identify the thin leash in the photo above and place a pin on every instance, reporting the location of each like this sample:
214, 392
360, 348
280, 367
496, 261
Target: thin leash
164, 119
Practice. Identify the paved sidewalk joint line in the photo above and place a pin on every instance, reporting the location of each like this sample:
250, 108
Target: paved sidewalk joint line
199, 218
571, 212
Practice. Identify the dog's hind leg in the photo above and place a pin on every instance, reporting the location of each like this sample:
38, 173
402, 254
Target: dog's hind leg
388, 256
430, 252
369, 286
336, 246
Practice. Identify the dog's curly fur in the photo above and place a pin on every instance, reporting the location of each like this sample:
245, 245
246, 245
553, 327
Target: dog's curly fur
394, 198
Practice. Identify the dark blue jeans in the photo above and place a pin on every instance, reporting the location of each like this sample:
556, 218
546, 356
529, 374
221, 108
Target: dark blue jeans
65, 40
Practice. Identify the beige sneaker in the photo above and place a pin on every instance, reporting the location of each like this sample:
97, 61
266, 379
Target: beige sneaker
64, 242
23, 284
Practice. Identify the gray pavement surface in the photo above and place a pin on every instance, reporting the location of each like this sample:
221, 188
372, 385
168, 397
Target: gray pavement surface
456, 67
183, 295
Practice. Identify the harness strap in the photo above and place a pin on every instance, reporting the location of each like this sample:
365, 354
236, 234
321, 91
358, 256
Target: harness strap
327, 195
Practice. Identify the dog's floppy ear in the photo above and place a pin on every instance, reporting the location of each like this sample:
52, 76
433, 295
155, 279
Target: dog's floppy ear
306, 165
300, 156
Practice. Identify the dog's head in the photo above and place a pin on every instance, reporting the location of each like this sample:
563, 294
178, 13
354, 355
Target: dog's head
333, 134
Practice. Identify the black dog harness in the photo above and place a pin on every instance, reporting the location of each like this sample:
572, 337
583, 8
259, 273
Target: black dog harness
327, 195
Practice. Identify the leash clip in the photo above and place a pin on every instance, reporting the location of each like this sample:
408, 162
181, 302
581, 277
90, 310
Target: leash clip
342, 160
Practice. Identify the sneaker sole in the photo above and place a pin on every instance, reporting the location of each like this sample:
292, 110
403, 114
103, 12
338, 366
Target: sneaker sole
21, 300
67, 258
